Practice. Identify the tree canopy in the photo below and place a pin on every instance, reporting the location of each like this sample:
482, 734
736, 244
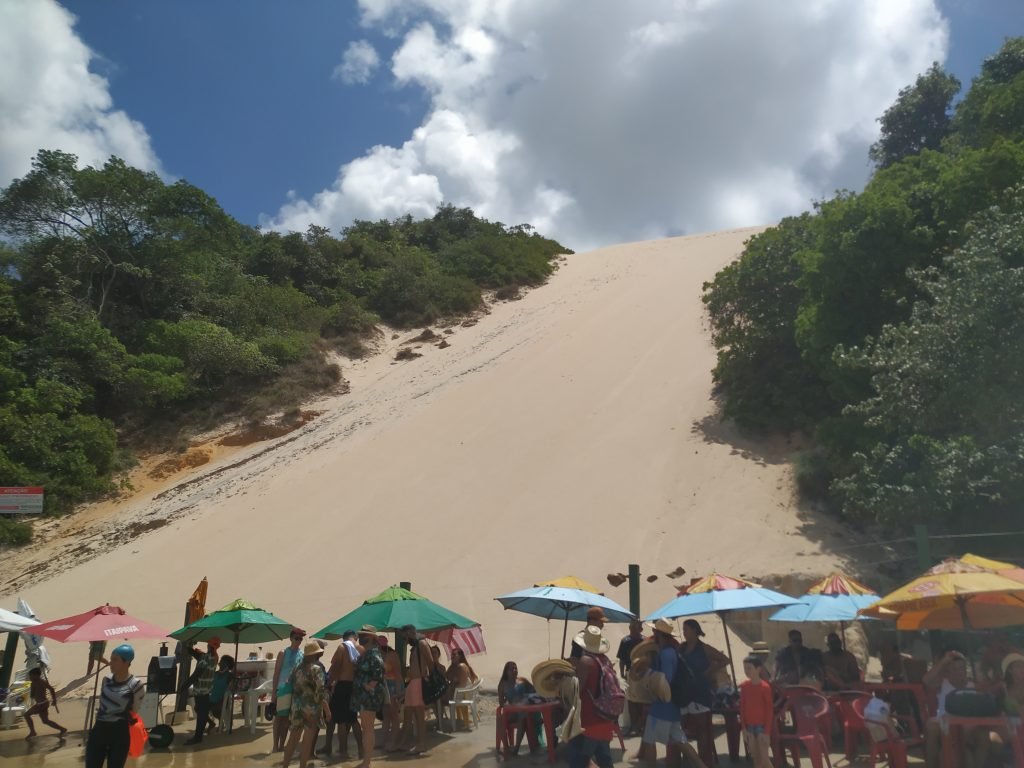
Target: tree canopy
130, 307
886, 323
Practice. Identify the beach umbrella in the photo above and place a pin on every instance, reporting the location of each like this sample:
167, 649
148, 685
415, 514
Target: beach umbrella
571, 582
36, 654
106, 622
955, 594
837, 598
721, 594
563, 603
14, 622
393, 609
239, 621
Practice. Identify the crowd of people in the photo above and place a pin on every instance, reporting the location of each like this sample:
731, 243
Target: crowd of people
668, 683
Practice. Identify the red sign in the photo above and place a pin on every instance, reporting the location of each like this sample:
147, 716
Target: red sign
21, 501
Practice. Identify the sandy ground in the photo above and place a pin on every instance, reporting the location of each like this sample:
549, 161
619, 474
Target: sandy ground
472, 749
570, 432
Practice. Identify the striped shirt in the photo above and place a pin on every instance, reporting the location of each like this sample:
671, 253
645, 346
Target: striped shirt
117, 698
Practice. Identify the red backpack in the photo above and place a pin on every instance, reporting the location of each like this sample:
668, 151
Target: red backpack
610, 699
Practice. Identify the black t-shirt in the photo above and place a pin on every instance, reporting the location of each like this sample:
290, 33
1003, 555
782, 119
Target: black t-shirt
625, 646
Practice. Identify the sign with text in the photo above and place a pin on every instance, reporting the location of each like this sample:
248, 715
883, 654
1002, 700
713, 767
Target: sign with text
21, 500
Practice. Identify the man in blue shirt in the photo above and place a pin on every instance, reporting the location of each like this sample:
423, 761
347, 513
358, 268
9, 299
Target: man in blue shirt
664, 724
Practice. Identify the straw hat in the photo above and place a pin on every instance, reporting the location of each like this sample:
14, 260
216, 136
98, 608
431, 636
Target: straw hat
641, 649
368, 629
1009, 659
591, 640
666, 628
760, 648
545, 676
312, 650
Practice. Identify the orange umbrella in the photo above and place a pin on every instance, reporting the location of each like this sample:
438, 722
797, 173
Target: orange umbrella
955, 594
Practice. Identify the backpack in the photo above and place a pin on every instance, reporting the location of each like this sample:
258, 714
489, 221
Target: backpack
610, 699
683, 684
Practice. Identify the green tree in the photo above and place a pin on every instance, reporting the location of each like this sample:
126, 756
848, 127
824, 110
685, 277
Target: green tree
949, 393
920, 118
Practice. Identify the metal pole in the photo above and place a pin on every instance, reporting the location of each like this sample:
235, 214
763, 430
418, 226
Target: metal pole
924, 549
728, 650
565, 633
400, 644
634, 589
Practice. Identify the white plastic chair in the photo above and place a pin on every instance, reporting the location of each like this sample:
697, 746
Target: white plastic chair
469, 698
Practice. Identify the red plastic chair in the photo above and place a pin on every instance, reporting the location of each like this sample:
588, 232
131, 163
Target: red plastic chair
854, 728
892, 749
793, 692
807, 709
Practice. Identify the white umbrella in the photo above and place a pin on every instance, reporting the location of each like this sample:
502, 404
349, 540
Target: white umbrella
36, 654
12, 622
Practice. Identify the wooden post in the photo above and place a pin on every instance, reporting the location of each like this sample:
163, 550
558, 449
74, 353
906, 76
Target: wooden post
634, 589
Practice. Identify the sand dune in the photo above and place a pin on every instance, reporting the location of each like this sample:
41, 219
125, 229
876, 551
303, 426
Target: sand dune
570, 432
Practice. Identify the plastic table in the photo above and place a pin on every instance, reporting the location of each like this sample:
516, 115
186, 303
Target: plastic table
505, 713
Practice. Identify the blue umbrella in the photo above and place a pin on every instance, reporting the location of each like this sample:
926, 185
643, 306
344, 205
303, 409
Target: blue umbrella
825, 608
563, 603
721, 594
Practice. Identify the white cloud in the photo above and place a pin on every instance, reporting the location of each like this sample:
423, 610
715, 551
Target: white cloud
50, 100
632, 120
358, 63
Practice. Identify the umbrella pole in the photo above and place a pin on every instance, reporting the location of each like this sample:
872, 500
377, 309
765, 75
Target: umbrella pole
565, 633
728, 650
231, 693
92, 702
842, 633
962, 603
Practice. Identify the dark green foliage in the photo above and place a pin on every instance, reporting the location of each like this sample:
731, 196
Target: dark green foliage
918, 120
921, 424
127, 305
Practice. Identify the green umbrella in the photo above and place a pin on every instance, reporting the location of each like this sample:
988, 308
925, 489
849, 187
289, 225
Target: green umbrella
240, 621
391, 610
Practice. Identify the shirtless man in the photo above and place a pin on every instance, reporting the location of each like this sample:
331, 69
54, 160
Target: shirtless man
339, 680
420, 660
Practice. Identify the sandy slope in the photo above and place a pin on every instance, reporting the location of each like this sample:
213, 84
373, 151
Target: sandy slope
570, 432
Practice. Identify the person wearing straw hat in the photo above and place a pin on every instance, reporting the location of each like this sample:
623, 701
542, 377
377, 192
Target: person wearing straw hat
639, 693
664, 724
594, 670
763, 651
308, 711
595, 618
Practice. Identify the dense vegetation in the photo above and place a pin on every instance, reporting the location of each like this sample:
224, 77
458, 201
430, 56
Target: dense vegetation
890, 323
129, 307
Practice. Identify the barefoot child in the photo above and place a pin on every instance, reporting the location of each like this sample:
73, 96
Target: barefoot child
40, 706
756, 711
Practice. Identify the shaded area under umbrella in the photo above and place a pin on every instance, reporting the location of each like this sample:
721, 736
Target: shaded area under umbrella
393, 609
563, 603
720, 594
239, 621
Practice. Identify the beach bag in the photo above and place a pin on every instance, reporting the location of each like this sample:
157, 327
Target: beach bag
610, 699
434, 685
683, 684
137, 735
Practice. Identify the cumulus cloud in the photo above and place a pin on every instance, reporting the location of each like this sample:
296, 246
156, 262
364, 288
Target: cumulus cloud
631, 120
50, 100
358, 63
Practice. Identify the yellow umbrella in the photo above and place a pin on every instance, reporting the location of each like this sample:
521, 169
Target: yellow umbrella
571, 582
954, 595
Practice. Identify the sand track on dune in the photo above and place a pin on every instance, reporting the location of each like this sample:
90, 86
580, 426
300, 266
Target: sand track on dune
572, 431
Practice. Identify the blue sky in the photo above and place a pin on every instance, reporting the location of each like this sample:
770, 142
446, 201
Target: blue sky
517, 109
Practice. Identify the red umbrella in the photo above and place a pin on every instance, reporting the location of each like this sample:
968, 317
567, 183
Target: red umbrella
108, 622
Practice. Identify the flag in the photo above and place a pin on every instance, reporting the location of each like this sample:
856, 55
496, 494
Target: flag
195, 608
